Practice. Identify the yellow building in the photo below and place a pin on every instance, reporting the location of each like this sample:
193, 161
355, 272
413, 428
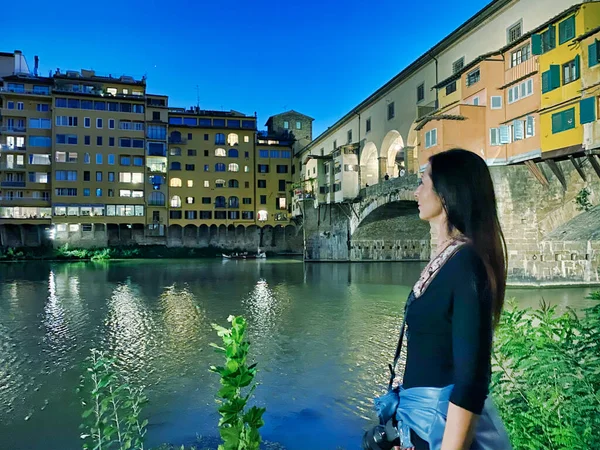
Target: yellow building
26, 145
211, 168
98, 162
561, 60
590, 78
273, 180
157, 188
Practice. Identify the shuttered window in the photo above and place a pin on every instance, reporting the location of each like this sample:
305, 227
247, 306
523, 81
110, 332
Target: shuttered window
563, 121
587, 110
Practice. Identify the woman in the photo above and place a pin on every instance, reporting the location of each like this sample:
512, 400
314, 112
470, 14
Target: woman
458, 300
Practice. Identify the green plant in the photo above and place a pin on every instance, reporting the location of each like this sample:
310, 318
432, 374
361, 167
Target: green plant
111, 419
238, 428
582, 200
546, 379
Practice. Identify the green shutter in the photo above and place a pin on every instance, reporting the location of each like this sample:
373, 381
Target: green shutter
557, 123
577, 66
593, 54
566, 30
545, 82
568, 119
554, 76
552, 37
536, 44
587, 110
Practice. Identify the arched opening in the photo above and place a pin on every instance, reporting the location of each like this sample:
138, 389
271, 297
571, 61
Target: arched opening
219, 167
219, 183
175, 182
369, 166
233, 153
232, 139
233, 184
233, 167
393, 149
176, 201
220, 152
220, 202
234, 202
175, 137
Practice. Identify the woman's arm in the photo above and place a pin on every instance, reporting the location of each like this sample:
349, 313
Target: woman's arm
460, 428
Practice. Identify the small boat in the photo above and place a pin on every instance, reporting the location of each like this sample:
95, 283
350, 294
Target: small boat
245, 255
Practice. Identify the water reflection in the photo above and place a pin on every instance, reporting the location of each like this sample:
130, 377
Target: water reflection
322, 335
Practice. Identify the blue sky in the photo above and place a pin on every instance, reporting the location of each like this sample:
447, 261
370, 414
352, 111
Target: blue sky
319, 57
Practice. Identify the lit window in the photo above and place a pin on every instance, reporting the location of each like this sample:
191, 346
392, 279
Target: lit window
189, 200
220, 152
233, 167
286, 125
190, 183
176, 201
175, 182
206, 183
232, 139
246, 138
262, 216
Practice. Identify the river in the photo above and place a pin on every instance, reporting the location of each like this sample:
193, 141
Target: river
322, 335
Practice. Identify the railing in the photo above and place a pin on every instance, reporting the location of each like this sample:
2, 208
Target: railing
14, 129
23, 91
98, 93
6, 166
162, 152
177, 140
157, 168
521, 70
25, 199
16, 184
12, 148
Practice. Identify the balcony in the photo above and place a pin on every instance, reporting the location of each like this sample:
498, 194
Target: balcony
12, 148
97, 92
6, 166
157, 168
13, 184
25, 92
162, 152
13, 129
27, 199
520, 71
177, 140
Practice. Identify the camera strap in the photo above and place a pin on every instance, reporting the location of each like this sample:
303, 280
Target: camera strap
400, 340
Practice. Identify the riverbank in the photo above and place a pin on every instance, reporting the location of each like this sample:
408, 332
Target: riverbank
67, 253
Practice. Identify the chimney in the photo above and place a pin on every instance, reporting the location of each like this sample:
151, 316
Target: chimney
18, 57
36, 65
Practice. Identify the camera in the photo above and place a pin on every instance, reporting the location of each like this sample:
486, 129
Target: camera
382, 437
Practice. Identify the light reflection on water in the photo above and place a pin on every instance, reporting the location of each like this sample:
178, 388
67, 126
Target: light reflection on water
322, 335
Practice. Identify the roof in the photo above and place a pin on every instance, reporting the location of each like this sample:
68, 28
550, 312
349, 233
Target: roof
291, 111
458, 74
430, 118
28, 78
471, 24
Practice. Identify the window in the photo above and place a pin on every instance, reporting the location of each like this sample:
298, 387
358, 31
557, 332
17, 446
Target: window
473, 77
566, 30
191, 215
156, 115
98, 158
86, 175
263, 201
247, 201
587, 110
20, 106
86, 192
87, 140
431, 138
520, 55
451, 87
125, 160
571, 71
175, 151
233, 202
368, 125
190, 167
529, 126
175, 182
175, 214
518, 129
111, 141
563, 121
281, 185
111, 177
286, 124
458, 65
594, 53
514, 32
111, 124
349, 137
190, 200
220, 202
99, 123
206, 168
232, 139
263, 153
191, 152
98, 140
98, 176
262, 184
282, 168
521, 90
476, 101
219, 139
233, 153
98, 192
263, 168
156, 199
42, 107
298, 125
176, 201
175, 165
544, 42
551, 79
69, 139
219, 167
220, 152
87, 122
390, 111
420, 92
206, 200
496, 102
334, 145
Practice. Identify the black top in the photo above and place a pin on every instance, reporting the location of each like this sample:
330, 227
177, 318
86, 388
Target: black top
450, 332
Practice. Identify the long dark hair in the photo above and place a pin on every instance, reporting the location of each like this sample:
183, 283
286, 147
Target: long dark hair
463, 182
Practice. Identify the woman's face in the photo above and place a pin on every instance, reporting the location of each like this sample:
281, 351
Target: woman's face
430, 204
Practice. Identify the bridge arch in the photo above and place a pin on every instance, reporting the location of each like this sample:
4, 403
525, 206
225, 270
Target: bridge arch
369, 165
